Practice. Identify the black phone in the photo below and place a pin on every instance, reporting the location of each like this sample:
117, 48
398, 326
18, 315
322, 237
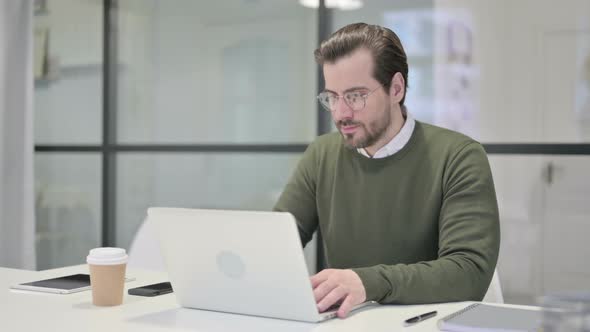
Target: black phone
152, 290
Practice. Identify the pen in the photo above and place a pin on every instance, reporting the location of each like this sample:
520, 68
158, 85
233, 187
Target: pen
419, 318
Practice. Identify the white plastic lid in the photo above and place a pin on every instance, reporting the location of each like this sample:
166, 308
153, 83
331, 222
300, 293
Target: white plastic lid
107, 256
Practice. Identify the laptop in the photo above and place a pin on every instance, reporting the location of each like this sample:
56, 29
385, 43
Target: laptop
243, 262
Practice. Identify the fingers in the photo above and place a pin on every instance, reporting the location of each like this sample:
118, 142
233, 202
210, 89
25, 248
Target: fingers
332, 298
319, 278
346, 306
323, 289
335, 286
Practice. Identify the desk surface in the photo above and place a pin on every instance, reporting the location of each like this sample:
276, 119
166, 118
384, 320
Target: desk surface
30, 311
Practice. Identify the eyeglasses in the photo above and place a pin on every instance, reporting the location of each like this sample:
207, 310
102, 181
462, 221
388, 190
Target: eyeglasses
356, 100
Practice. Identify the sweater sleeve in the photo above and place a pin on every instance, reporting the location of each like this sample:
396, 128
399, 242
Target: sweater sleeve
299, 195
469, 241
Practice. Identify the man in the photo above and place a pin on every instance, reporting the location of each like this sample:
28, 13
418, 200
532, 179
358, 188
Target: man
407, 210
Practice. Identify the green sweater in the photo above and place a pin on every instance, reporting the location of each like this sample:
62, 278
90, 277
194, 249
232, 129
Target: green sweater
419, 226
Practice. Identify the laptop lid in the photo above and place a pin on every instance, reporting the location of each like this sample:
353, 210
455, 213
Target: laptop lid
245, 262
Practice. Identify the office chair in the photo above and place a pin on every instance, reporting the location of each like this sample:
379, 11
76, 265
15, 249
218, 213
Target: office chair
144, 252
494, 293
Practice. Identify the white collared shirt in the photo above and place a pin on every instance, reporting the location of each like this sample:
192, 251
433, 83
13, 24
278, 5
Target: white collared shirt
397, 143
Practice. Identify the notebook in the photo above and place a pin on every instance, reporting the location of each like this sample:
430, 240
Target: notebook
488, 318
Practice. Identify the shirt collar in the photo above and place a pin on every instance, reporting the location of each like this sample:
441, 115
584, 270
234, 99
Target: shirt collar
397, 143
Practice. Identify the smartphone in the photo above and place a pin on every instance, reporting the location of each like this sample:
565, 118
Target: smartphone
152, 290
61, 285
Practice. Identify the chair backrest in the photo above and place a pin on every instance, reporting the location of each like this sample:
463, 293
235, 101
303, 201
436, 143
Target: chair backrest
144, 252
494, 293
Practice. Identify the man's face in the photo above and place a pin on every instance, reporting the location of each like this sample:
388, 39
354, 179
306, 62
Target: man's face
366, 127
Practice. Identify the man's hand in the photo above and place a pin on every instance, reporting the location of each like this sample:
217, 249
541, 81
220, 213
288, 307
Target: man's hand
333, 286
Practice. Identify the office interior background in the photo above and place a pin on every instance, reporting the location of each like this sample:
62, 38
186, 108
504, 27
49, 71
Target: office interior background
210, 104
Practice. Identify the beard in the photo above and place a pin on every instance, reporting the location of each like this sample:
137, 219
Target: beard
367, 134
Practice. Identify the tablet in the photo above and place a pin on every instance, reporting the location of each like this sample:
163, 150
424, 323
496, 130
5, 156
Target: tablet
61, 285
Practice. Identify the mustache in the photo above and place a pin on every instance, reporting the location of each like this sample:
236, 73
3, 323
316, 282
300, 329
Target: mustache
347, 123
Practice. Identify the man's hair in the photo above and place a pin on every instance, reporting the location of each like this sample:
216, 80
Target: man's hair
387, 50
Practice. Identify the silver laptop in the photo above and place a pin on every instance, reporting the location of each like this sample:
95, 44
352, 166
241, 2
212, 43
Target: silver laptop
243, 262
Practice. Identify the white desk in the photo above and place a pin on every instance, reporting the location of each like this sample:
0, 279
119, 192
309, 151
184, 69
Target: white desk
29, 311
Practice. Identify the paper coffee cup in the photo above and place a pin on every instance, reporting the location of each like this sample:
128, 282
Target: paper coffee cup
107, 275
